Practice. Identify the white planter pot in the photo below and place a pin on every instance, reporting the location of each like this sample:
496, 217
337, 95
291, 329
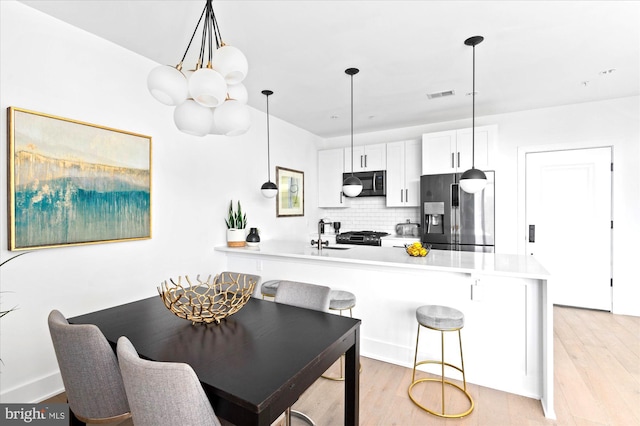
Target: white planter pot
236, 237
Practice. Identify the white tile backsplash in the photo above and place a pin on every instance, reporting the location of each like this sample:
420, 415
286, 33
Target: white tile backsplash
370, 214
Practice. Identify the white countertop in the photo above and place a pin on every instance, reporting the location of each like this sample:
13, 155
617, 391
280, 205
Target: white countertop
436, 260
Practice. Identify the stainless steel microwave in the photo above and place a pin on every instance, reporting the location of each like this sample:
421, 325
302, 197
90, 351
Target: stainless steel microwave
374, 184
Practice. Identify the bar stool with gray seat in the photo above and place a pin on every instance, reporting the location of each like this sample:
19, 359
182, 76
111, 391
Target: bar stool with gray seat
442, 319
340, 300
269, 288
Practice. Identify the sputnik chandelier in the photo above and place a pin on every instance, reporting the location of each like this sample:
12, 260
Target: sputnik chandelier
211, 99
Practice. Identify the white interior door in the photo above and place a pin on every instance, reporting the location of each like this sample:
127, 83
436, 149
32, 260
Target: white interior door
568, 201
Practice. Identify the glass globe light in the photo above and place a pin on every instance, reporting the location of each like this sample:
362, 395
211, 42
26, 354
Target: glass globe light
192, 118
473, 180
352, 186
231, 63
207, 87
232, 118
167, 85
238, 92
269, 189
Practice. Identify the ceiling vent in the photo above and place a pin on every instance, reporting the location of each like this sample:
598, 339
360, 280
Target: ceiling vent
441, 94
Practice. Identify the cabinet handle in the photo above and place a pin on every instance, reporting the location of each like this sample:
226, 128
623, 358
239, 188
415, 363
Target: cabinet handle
406, 195
401, 200
365, 161
458, 158
453, 166
341, 194
361, 161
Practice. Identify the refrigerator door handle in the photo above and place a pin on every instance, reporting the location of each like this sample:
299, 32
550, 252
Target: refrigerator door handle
455, 195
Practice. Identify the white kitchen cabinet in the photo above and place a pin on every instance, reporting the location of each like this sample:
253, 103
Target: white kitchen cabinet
403, 173
451, 151
365, 158
330, 169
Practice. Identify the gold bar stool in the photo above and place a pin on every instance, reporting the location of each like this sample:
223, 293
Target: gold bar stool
340, 300
440, 318
269, 288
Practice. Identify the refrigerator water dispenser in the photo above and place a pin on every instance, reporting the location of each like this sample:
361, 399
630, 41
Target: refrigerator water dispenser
434, 217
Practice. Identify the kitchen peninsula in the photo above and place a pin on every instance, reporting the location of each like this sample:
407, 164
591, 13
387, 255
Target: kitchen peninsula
508, 334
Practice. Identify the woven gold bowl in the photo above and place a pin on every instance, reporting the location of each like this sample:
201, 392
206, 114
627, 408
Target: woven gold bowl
207, 301
422, 251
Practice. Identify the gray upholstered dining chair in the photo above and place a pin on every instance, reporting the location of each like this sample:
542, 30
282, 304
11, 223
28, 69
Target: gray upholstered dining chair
90, 373
303, 295
163, 393
239, 277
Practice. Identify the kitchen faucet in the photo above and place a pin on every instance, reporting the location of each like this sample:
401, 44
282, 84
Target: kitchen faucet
320, 243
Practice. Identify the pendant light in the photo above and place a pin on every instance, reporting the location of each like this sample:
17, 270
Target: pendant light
352, 186
269, 189
211, 98
473, 180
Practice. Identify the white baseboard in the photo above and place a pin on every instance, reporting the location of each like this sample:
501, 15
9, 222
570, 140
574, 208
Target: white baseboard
35, 391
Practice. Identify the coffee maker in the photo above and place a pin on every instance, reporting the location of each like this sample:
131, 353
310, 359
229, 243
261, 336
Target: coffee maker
336, 227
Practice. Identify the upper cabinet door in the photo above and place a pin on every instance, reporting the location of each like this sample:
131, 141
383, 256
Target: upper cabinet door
484, 139
365, 158
358, 159
330, 168
403, 173
453, 151
412, 172
395, 174
375, 157
439, 153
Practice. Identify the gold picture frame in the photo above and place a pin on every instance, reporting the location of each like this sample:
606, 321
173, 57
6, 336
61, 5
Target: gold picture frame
73, 183
290, 199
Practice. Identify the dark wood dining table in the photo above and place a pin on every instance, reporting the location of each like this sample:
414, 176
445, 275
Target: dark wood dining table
253, 365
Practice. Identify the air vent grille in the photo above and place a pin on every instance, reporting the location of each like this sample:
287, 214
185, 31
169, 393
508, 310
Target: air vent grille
436, 95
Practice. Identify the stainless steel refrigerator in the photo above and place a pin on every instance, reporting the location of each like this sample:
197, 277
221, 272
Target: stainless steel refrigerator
453, 219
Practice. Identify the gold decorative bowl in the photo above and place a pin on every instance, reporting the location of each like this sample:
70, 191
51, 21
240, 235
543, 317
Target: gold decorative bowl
208, 301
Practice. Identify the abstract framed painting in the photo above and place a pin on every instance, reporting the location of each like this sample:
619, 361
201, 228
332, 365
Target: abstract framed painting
73, 183
290, 199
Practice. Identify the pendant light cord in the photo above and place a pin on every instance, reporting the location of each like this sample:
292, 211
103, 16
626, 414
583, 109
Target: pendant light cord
268, 144
473, 113
351, 124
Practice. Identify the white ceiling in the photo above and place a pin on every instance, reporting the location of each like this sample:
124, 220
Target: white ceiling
535, 54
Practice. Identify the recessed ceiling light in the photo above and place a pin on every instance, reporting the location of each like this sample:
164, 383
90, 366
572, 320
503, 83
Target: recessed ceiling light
334, 117
607, 72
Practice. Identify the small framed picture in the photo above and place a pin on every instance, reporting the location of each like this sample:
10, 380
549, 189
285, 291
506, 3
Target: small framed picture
290, 200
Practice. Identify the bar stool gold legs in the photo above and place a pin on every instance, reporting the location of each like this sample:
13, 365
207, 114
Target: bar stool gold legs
426, 321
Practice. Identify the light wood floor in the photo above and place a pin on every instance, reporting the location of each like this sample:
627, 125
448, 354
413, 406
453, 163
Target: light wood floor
597, 382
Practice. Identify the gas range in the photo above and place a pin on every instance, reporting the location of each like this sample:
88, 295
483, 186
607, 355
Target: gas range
364, 238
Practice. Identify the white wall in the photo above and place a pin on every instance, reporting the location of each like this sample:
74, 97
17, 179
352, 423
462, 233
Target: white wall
613, 123
51, 67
